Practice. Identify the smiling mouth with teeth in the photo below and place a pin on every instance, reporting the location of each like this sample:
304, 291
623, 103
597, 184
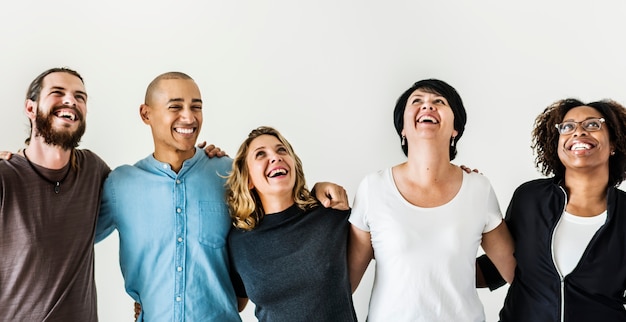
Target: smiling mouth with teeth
427, 119
580, 146
66, 115
184, 130
277, 172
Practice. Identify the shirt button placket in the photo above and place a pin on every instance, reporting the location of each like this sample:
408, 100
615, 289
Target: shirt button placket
180, 249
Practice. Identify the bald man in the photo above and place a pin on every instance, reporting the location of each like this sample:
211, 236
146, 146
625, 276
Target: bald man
170, 212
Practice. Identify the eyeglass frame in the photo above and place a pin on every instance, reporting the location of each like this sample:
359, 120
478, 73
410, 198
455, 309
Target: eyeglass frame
601, 120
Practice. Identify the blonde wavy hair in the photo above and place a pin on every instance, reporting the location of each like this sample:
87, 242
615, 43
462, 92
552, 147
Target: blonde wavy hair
244, 204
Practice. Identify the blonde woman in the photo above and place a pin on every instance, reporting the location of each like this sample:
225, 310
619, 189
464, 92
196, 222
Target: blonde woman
288, 252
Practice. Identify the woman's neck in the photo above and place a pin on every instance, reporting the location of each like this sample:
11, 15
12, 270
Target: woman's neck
586, 193
273, 204
428, 164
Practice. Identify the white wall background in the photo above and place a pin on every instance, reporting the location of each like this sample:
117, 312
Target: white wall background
326, 73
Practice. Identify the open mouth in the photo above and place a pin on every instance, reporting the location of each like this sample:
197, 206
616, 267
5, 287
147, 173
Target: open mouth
427, 119
277, 173
66, 115
185, 130
581, 146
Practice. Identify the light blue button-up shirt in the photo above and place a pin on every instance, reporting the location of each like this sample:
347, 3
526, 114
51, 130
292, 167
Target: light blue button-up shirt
173, 229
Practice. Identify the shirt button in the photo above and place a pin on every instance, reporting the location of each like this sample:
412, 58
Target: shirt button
179, 268
177, 181
180, 239
164, 166
178, 299
178, 210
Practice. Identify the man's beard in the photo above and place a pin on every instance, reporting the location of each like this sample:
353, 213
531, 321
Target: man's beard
64, 139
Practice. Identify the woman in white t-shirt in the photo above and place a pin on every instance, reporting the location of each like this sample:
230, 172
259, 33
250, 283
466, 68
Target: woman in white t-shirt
424, 219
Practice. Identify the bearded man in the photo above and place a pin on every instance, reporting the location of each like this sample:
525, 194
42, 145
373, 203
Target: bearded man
49, 201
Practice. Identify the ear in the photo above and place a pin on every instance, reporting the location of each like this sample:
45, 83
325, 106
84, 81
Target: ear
144, 113
250, 185
455, 133
30, 109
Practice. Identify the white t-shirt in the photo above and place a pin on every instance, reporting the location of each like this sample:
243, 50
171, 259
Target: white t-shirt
571, 238
425, 257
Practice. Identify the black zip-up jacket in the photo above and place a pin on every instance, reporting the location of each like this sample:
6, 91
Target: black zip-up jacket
593, 291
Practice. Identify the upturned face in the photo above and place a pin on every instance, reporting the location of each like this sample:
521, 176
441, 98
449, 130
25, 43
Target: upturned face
59, 113
271, 168
428, 116
585, 147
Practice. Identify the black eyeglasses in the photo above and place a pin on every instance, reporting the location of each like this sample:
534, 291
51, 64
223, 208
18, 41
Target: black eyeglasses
590, 125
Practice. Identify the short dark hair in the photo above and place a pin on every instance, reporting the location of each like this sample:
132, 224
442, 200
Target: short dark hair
438, 87
34, 89
545, 137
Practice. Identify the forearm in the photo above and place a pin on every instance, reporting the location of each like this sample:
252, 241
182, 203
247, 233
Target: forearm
360, 254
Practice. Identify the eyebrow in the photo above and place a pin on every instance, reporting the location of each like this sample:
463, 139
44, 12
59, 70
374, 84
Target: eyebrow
588, 118
193, 100
422, 95
278, 145
259, 148
63, 88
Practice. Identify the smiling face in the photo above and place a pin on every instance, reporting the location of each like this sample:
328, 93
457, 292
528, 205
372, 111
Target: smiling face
59, 113
271, 169
583, 149
173, 110
429, 116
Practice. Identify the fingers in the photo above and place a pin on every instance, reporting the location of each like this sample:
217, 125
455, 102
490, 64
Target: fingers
202, 144
6, 155
137, 310
339, 204
468, 170
212, 151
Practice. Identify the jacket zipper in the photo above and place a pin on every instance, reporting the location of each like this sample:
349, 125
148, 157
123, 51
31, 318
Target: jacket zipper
561, 277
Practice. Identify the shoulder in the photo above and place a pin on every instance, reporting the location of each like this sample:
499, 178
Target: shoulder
123, 172
90, 163
377, 176
321, 210
222, 165
476, 178
619, 193
536, 185
477, 183
222, 162
87, 156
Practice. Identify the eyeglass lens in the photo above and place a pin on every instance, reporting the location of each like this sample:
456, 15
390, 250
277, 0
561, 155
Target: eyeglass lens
589, 125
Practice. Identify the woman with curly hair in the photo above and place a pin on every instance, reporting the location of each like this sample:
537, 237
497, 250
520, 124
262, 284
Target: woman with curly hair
288, 252
570, 229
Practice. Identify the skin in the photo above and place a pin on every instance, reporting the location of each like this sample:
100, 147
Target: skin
428, 179
267, 154
586, 170
59, 90
174, 112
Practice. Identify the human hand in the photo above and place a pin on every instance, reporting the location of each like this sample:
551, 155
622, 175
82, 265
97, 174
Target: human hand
137, 310
211, 150
331, 195
5, 155
468, 170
